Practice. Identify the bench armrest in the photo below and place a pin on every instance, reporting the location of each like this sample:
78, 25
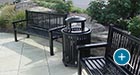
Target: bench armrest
95, 45
18, 21
86, 47
56, 28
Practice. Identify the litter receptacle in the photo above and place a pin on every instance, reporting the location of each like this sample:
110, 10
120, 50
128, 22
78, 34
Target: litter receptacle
73, 36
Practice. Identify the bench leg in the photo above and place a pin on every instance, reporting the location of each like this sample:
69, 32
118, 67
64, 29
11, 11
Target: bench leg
15, 35
79, 64
28, 36
51, 44
79, 69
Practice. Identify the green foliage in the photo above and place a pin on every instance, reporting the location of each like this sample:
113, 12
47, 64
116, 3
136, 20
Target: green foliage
53, 1
78, 10
50, 1
121, 8
1, 5
134, 26
112, 11
8, 15
7, 12
45, 4
19, 15
58, 5
63, 7
97, 11
123, 23
3, 22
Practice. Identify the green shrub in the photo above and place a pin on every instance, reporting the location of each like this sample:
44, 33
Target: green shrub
112, 11
54, 1
8, 15
121, 8
3, 22
7, 12
46, 4
123, 23
134, 26
19, 15
1, 5
51, 1
78, 10
63, 7
58, 5
97, 11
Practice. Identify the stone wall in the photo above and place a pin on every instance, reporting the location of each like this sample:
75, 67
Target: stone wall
6, 1
25, 5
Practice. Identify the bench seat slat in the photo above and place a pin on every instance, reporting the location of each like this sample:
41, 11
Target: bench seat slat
57, 35
102, 66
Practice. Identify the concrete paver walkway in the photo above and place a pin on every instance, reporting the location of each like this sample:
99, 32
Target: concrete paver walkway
30, 56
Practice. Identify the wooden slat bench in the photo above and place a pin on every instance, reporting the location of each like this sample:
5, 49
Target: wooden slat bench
39, 23
105, 65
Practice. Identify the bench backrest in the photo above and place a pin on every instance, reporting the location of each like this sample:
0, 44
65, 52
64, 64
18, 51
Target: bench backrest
44, 20
119, 39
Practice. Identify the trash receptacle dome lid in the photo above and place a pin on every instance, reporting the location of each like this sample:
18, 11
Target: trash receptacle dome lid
75, 19
75, 30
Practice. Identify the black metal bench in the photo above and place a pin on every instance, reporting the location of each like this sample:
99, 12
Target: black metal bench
104, 65
39, 23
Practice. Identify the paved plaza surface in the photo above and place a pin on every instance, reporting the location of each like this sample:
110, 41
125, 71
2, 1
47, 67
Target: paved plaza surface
30, 56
